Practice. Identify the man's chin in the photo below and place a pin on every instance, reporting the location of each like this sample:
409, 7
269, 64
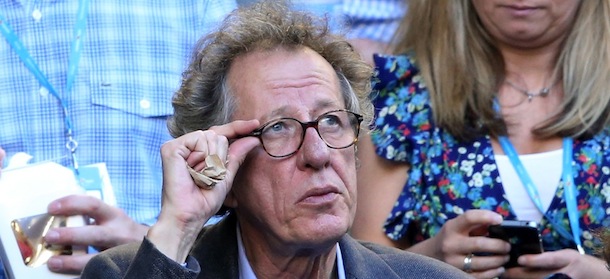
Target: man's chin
327, 226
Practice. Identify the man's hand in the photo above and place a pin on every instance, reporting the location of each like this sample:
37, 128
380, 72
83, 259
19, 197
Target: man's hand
186, 207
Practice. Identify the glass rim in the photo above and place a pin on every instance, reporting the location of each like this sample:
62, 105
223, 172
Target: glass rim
355, 125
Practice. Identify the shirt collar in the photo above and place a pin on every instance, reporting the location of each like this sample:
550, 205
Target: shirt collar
246, 272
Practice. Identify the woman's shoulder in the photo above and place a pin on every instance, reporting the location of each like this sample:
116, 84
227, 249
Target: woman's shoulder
406, 60
398, 82
599, 141
391, 69
403, 114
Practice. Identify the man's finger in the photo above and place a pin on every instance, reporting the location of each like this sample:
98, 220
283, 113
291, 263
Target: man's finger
236, 129
238, 152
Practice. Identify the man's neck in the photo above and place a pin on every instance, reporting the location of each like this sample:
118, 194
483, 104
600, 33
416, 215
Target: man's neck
260, 263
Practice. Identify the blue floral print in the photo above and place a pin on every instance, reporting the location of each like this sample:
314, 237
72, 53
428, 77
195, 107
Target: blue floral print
448, 177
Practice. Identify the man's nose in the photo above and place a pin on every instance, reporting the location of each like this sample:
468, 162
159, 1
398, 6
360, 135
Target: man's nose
314, 152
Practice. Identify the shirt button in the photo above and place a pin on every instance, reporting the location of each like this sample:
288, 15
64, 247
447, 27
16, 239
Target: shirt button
145, 104
44, 92
36, 14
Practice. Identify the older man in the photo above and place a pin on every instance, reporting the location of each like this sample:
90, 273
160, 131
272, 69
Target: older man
281, 102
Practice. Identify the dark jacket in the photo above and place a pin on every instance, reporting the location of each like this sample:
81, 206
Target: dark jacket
214, 255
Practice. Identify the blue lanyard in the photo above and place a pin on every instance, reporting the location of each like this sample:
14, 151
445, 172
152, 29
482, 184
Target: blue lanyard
75, 54
567, 179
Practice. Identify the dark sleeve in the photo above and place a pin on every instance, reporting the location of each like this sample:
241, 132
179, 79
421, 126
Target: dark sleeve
138, 260
369, 260
412, 265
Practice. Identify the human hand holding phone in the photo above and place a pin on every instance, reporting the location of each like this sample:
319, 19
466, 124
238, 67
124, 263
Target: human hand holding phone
523, 236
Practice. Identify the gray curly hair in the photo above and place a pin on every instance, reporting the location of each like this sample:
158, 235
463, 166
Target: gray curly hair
204, 98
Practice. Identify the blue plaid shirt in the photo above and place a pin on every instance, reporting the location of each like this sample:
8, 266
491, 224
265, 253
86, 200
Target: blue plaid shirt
134, 52
376, 20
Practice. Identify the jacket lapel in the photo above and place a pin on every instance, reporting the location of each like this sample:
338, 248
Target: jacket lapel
216, 250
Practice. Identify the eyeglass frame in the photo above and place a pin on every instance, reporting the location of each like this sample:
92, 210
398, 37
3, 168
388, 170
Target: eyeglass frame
258, 132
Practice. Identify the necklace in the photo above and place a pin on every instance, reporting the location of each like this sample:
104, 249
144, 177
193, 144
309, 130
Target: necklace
542, 93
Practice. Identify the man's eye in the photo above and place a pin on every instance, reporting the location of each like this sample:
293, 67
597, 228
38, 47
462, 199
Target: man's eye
277, 126
280, 128
330, 120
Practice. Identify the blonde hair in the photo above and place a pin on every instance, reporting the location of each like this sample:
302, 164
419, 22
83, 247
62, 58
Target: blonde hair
462, 69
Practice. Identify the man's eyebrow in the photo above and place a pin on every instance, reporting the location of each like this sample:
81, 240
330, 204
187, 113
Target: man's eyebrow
323, 105
320, 107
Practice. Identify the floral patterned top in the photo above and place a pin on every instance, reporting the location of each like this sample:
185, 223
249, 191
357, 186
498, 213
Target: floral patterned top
448, 177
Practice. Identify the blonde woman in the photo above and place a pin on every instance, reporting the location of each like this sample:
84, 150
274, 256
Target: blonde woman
492, 110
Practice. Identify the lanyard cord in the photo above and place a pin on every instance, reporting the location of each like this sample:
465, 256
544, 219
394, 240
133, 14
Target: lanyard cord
74, 59
569, 193
567, 180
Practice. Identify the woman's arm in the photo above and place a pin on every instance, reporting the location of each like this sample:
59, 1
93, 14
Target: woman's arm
380, 182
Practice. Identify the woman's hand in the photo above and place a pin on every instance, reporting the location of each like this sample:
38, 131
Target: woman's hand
566, 261
465, 237
185, 206
111, 227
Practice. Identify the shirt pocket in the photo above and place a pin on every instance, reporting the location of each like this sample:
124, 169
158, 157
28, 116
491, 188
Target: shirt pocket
138, 92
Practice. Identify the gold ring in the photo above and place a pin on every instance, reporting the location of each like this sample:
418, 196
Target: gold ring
468, 263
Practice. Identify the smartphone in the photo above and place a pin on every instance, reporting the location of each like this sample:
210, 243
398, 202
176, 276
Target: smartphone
523, 236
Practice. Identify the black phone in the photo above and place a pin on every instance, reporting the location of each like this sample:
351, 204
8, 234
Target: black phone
523, 236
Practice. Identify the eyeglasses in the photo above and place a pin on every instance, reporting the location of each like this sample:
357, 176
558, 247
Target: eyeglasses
284, 136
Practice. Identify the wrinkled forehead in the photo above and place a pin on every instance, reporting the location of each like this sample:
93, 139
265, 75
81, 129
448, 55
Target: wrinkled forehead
281, 82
